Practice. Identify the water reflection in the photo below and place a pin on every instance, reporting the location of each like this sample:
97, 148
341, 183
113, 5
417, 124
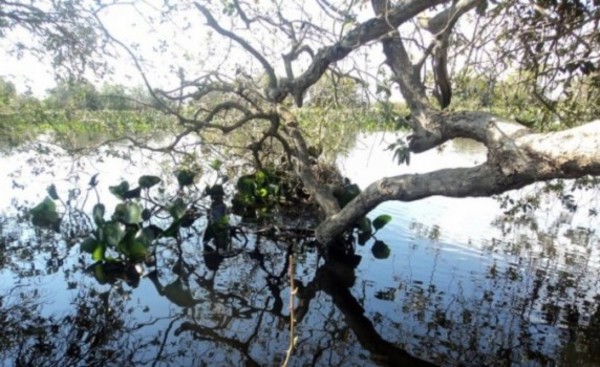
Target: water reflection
457, 289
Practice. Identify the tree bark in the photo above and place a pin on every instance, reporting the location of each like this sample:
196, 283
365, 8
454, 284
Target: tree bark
516, 155
516, 158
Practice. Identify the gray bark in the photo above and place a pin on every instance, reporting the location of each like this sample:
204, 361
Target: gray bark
516, 158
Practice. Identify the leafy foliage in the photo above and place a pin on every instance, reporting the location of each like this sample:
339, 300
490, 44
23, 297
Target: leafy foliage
45, 215
259, 193
128, 233
147, 182
380, 250
364, 228
75, 115
66, 31
381, 221
185, 177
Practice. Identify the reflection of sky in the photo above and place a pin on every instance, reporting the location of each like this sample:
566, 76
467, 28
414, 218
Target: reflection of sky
463, 221
37, 171
438, 245
442, 242
459, 219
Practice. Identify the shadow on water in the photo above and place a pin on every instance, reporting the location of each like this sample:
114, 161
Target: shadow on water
218, 293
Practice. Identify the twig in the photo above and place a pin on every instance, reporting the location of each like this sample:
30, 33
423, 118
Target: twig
293, 338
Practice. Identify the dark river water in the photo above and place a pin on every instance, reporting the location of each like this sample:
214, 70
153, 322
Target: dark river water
463, 285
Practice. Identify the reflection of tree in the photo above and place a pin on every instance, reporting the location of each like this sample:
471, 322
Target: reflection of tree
524, 307
334, 279
246, 321
529, 310
93, 335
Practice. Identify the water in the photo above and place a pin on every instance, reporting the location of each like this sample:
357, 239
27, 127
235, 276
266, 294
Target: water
459, 288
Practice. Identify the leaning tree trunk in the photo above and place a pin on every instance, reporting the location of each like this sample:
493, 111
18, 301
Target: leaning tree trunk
516, 155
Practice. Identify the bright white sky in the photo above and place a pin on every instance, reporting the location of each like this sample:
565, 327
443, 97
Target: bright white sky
188, 42
126, 24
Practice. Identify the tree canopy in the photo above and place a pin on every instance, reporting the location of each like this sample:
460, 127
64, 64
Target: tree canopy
519, 76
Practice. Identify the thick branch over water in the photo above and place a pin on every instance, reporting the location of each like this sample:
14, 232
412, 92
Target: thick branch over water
515, 159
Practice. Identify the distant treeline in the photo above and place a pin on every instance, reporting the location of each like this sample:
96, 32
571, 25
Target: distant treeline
80, 95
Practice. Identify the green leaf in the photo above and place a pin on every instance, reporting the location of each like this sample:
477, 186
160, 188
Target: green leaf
148, 181
364, 225
89, 245
260, 177
173, 229
100, 274
106, 271
45, 215
113, 233
128, 213
99, 252
177, 209
132, 194
146, 214
273, 189
147, 235
136, 251
381, 221
365, 231
119, 190
363, 237
262, 192
246, 184
216, 164
380, 250
52, 192
185, 177
349, 193
188, 219
215, 190
98, 214
131, 233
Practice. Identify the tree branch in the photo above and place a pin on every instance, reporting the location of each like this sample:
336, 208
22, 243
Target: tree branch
444, 21
516, 159
362, 34
212, 22
322, 195
441, 27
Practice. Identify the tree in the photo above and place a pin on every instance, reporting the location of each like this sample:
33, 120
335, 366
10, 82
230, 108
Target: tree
74, 95
65, 31
7, 91
280, 51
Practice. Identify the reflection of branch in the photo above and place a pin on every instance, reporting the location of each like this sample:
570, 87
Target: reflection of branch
334, 278
164, 341
201, 330
293, 338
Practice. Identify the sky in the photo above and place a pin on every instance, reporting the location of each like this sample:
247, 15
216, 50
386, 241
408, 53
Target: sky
190, 44
126, 23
